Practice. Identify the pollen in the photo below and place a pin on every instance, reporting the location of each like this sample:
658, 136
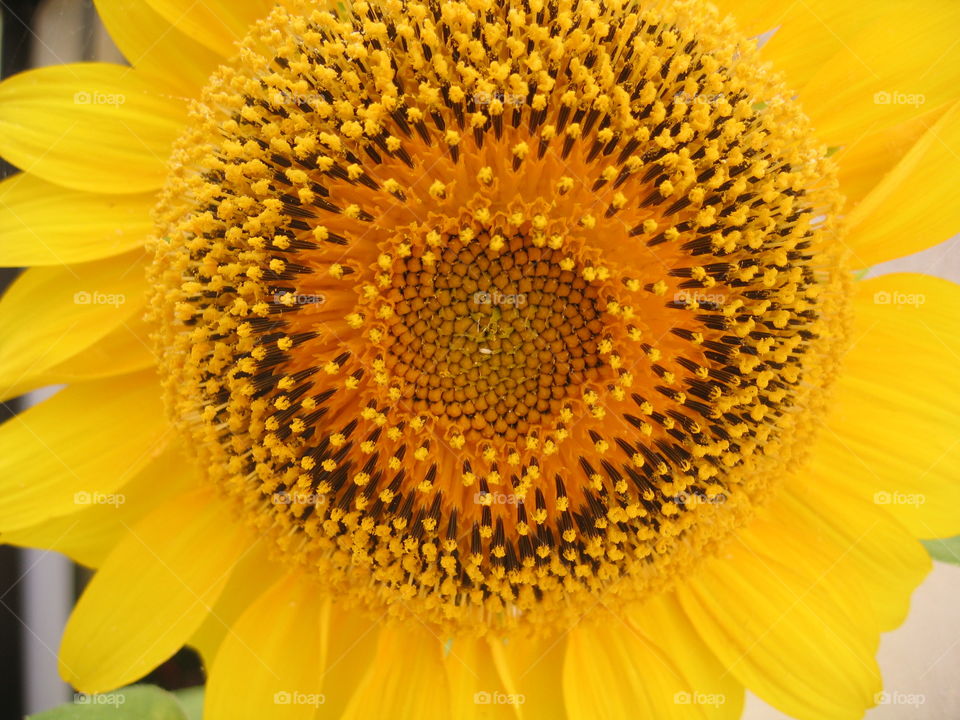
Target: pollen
534, 303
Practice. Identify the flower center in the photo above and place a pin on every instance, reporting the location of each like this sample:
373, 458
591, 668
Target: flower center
489, 334
488, 312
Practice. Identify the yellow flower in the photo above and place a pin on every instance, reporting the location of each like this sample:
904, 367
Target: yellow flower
492, 358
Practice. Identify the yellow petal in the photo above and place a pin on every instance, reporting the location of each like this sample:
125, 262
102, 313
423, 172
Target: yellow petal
218, 24
914, 207
88, 535
755, 17
45, 224
864, 162
270, 663
92, 126
788, 625
663, 621
152, 592
121, 352
155, 47
889, 562
50, 314
807, 33
614, 669
477, 687
255, 572
777, 535
124, 350
891, 435
352, 648
532, 670
413, 689
84, 443
898, 67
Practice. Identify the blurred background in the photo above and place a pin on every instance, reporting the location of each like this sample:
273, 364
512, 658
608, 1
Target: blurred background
37, 589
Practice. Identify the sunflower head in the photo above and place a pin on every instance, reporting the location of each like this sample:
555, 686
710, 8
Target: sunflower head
527, 326
485, 311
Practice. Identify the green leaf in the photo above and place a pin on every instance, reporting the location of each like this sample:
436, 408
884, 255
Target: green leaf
191, 699
946, 550
137, 702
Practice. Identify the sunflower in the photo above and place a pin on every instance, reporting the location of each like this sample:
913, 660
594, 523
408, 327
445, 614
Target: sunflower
478, 359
